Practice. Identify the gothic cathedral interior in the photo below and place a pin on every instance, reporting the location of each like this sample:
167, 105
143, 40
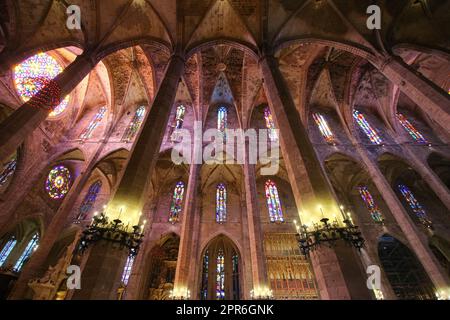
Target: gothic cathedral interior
224, 150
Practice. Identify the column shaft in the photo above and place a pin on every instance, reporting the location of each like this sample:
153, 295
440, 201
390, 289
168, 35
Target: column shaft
434, 101
135, 178
308, 181
258, 265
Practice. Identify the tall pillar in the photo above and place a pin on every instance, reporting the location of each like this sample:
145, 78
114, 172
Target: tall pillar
24, 120
258, 265
310, 187
428, 175
416, 239
129, 197
131, 191
434, 101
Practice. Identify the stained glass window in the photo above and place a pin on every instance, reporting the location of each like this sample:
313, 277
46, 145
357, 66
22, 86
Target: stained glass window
273, 202
220, 276
325, 130
134, 125
8, 170
58, 182
270, 124
177, 200
414, 204
28, 77
370, 203
366, 127
89, 200
204, 293
31, 246
96, 120
9, 246
180, 116
236, 291
222, 114
221, 203
127, 270
417, 136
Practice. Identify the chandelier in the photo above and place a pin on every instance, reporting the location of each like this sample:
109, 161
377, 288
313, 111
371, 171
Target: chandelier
113, 231
328, 233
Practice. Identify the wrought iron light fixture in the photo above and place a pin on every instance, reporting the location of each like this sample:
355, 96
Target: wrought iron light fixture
328, 233
113, 231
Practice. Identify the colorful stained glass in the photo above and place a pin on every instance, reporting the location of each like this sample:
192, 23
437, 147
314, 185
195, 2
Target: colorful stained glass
127, 270
58, 182
96, 120
374, 211
220, 276
325, 130
179, 119
177, 200
221, 203
270, 124
27, 77
89, 200
6, 251
205, 274
414, 204
414, 133
31, 246
370, 132
134, 125
222, 115
8, 171
273, 202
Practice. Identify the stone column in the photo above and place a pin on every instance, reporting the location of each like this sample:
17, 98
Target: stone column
428, 175
257, 261
433, 100
416, 239
310, 187
132, 188
24, 120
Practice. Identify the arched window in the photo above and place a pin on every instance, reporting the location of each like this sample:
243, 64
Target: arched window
134, 125
177, 200
220, 276
32, 74
6, 251
96, 120
273, 202
205, 272
31, 246
58, 182
89, 200
8, 170
324, 129
179, 118
270, 124
127, 270
374, 211
222, 115
414, 204
221, 203
370, 132
413, 132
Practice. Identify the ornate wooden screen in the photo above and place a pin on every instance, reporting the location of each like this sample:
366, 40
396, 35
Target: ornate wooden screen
289, 272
